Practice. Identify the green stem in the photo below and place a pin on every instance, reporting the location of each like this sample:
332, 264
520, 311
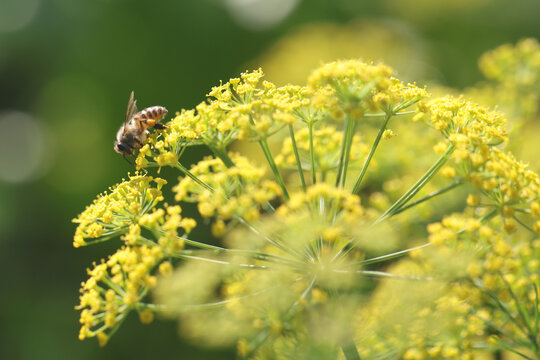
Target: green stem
216, 261
524, 225
505, 310
295, 148
499, 330
257, 255
222, 154
199, 244
396, 113
265, 333
193, 177
348, 137
153, 307
345, 150
266, 150
488, 216
105, 237
181, 152
405, 197
523, 314
429, 196
370, 155
389, 256
113, 286
382, 274
405, 105
312, 154
350, 351
418, 185
224, 302
276, 243
509, 348
536, 311
119, 320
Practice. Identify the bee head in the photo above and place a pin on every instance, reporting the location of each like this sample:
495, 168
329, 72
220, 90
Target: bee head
123, 148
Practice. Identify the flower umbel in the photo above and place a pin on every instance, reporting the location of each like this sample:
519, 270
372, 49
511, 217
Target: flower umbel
111, 214
309, 262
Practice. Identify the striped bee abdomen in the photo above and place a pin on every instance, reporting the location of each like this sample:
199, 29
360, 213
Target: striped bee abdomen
155, 113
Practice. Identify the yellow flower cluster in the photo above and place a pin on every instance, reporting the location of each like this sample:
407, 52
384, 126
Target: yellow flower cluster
298, 261
165, 147
352, 87
330, 211
241, 104
509, 185
436, 325
118, 285
241, 108
351, 73
342, 202
166, 223
113, 212
472, 133
237, 191
517, 65
513, 73
459, 226
509, 279
468, 126
326, 150
115, 288
502, 271
492, 241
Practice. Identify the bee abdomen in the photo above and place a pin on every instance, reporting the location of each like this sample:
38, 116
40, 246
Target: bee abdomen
152, 113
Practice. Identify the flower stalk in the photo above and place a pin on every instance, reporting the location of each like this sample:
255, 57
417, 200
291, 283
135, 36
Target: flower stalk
358, 183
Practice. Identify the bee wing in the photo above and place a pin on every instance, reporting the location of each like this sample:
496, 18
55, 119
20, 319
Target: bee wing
131, 109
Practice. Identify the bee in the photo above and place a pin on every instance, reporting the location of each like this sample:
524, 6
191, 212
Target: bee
134, 130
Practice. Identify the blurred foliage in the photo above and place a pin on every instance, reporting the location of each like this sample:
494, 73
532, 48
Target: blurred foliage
68, 67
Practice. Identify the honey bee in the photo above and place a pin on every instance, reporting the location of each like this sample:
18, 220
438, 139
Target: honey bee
134, 130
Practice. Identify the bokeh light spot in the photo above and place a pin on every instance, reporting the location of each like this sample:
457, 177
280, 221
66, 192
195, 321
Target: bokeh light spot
23, 147
259, 14
16, 14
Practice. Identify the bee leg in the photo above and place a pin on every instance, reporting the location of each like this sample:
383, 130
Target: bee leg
129, 162
153, 123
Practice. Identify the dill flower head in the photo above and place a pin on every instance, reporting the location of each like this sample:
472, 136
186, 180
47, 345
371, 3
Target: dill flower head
353, 87
465, 124
513, 79
114, 288
433, 324
517, 65
498, 271
111, 213
307, 260
254, 111
236, 191
274, 283
118, 285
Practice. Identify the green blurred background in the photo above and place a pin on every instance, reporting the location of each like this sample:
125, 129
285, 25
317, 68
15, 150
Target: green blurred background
67, 68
